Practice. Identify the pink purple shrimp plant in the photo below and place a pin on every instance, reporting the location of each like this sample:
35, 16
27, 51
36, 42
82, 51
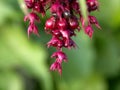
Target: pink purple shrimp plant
65, 19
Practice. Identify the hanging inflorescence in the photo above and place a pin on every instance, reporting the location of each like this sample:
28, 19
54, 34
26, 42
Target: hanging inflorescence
62, 24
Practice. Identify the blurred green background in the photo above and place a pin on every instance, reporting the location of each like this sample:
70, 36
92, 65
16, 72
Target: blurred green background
24, 63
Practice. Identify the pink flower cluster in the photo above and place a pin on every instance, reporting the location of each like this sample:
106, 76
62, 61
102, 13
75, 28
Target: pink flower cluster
62, 24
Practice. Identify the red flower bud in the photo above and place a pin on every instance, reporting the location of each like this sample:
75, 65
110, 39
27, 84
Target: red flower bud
73, 23
29, 3
50, 23
92, 5
62, 24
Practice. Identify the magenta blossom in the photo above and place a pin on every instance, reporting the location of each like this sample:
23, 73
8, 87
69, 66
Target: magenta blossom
89, 31
56, 66
64, 22
60, 56
32, 17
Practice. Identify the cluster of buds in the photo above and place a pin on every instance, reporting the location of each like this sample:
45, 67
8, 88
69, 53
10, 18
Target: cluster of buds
62, 24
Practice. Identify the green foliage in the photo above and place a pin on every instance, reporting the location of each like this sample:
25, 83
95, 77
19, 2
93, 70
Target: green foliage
24, 63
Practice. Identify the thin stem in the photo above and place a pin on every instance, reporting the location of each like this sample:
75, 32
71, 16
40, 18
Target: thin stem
23, 6
83, 8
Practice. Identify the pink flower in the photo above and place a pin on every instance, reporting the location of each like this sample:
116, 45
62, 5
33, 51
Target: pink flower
89, 31
50, 23
62, 24
29, 3
32, 17
70, 44
56, 66
55, 42
32, 29
65, 18
60, 56
66, 36
93, 20
39, 8
92, 5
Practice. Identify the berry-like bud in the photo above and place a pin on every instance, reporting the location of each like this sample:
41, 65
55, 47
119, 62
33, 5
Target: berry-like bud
29, 3
62, 24
73, 23
50, 24
92, 5
89, 31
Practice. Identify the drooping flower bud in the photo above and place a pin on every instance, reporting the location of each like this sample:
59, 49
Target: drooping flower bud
60, 56
50, 24
29, 3
74, 24
33, 29
89, 31
62, 24
32, 17
93, 20
56, 66
92, 5
55, 42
